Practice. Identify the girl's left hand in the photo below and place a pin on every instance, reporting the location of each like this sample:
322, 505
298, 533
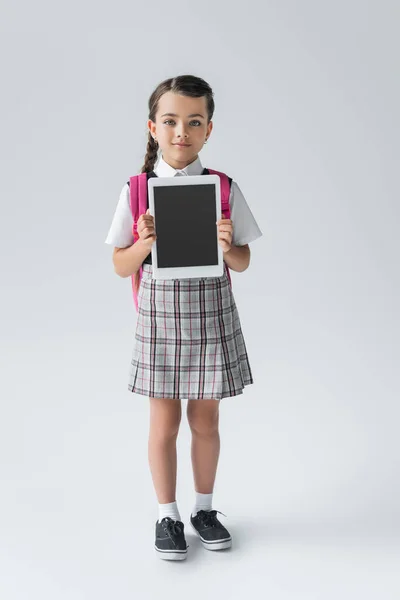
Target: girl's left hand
225, 232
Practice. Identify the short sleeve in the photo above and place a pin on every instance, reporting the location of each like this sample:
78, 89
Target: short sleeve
245, 227
120, 234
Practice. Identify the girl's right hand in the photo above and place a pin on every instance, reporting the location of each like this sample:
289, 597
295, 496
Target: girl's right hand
146, 230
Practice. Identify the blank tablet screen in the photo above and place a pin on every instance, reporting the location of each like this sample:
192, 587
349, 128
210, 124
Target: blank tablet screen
186, 228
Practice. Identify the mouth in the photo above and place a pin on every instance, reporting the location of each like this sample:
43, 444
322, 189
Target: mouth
182, 145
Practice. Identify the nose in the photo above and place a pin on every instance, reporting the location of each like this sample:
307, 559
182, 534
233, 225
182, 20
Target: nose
182, 132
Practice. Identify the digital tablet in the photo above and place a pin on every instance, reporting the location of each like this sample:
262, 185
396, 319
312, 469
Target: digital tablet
186, 210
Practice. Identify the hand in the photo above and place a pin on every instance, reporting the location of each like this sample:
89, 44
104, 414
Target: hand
225, 233
146, 230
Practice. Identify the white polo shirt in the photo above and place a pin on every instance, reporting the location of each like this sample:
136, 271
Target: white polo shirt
245, 228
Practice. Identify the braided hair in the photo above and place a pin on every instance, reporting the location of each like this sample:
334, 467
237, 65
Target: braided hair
186, 85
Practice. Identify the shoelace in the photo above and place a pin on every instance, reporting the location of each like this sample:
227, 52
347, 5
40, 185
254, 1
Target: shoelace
172, 528
209, 517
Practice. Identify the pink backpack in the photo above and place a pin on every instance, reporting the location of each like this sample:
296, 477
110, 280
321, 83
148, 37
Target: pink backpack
138, 202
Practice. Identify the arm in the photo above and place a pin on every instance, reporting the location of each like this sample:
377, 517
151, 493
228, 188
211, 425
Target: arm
238, 258
127, 261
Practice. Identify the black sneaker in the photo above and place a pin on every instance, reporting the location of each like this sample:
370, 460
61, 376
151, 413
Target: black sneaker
213, 535
170, 540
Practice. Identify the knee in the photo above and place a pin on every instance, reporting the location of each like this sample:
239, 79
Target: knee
165, 418
203, 421
168, 430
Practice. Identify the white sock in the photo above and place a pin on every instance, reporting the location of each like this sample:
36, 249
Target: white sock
168, 510
203, 502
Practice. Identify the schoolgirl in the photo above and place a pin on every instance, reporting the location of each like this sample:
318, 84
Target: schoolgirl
188, 342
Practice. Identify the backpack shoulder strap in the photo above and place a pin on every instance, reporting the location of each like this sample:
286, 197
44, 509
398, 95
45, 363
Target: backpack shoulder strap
225, 192
138, 198
226, 183
138, 204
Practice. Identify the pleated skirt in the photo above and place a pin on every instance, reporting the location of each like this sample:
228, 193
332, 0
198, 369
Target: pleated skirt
188, 340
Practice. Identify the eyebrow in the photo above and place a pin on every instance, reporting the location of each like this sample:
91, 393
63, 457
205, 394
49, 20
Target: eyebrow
175, 115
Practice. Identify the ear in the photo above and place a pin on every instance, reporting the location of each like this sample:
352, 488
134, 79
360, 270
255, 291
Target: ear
209, 129
151, 127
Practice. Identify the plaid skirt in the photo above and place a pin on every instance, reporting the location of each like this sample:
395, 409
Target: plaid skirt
188, 340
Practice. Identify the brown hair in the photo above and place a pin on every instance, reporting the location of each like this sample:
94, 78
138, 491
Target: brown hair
187, 85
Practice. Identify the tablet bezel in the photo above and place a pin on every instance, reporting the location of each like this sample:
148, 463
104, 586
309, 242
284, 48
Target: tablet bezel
186, 272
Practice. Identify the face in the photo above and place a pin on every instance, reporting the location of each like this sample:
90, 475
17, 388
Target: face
181, 128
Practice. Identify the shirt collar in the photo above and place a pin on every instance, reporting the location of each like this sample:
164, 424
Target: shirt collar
163, 169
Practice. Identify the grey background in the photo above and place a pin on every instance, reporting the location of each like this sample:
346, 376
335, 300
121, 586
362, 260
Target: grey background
307, 95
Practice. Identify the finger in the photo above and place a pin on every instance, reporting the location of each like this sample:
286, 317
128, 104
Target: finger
225, 246
226, 237
147, 231
151, 235
145, 218
146, 215
142, 224
145, 223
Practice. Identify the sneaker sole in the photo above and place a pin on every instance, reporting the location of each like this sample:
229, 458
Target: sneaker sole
171, 554
218, 545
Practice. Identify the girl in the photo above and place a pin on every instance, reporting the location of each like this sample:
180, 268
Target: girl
188, 341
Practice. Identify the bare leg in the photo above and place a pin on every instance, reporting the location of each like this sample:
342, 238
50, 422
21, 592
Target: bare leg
165, 417
203, 418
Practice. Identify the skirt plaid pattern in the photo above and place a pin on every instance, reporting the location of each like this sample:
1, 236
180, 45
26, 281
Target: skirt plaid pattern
188, 340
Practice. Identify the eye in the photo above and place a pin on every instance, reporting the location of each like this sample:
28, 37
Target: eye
197, 122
